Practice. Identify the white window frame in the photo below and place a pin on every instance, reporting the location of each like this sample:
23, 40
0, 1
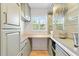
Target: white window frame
54, 23
39, 26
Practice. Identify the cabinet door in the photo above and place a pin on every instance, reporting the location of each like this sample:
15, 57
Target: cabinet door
26, 50
60, 51
13, 14
50, 47
23, 9
13, 44
25, 53
27, 12
50, 51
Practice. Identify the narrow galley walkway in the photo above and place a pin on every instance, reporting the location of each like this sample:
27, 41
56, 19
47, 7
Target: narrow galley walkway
39, 53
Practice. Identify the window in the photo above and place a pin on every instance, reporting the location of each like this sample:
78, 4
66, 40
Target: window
59, 22
39, 22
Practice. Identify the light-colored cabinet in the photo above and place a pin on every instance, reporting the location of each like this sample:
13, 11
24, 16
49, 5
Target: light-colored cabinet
25, 12
25, 48
50, 47
11, 12
10, 40
60, 51
55, 50
25, 51
10, 29
22, 9
13, 44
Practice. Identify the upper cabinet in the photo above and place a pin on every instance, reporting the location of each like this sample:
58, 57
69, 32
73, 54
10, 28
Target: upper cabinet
11, 14
25, 12
23, 9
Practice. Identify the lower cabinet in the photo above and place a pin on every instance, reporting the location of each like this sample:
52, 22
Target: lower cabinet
55, 50
50, 51
10, 40
25, 51
49, 47
13, 44
60, 51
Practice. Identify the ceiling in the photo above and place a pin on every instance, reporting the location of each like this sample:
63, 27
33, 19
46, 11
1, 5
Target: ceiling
40, 5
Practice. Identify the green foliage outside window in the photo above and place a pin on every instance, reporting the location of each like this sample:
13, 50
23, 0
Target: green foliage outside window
39, 22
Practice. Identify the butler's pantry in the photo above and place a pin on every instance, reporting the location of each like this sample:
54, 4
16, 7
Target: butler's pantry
39, 29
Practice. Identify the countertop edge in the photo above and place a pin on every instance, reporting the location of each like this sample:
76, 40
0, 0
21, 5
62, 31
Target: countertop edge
71, 52
61, 44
